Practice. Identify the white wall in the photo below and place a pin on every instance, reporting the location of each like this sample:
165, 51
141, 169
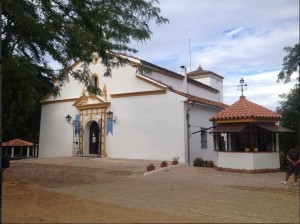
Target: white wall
248, 160
214, 83
199, 117
269, 160
72, 89
123, 80
147, 127
56, 135
177, 84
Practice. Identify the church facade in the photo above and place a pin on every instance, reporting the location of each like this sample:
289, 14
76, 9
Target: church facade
137, 116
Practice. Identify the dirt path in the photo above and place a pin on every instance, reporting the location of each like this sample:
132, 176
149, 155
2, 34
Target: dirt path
47, 193
27, 202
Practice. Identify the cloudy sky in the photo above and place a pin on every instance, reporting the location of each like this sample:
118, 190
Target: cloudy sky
233, 38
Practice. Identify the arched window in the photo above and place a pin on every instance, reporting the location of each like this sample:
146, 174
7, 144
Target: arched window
95, 80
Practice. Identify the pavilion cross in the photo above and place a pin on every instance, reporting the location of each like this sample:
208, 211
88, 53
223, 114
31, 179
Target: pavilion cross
242, 85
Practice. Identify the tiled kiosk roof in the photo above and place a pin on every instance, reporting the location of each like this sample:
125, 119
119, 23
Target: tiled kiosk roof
17, 142
244, 109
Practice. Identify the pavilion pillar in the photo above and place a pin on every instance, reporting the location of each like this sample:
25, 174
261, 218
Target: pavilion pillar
36, 150
277, 142
12, 152
27, 151
251, 137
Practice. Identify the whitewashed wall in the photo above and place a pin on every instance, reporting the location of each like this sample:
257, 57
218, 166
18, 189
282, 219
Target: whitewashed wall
147, 127
248, 160
178, 84
199, 117
72, 89
56, 135
215, 83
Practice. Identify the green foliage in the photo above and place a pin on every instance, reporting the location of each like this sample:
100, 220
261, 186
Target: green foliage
289, 107
67, 31
71, 30
199, 162
290, 63
23, 88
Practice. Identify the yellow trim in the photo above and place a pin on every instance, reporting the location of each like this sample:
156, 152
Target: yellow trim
75, 64
143, 93
58, 101
134, 64
152, 82
47, 96
101, 104
92, 106
104, 92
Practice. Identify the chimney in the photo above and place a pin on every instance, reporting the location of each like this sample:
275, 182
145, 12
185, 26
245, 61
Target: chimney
184, 87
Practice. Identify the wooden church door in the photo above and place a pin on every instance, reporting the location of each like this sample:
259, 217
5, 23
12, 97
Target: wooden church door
94, 138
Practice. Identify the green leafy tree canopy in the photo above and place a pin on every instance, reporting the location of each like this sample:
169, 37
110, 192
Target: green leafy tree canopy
71, 30
290, 63
289, 107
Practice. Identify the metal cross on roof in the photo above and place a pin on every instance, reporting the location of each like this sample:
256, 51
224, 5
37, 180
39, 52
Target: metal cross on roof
242, 85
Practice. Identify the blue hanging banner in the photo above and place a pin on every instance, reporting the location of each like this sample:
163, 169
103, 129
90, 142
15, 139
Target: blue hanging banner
109, 126
77, 124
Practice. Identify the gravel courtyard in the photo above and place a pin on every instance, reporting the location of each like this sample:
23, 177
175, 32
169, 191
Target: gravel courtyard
95, 190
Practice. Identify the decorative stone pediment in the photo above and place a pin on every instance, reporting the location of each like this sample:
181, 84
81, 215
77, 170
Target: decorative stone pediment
89, 102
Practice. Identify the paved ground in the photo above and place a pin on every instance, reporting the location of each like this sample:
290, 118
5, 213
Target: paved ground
181, 194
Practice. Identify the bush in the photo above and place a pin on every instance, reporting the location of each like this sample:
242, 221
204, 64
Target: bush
199, 162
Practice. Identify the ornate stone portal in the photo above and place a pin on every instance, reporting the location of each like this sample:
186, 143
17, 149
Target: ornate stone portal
91, 108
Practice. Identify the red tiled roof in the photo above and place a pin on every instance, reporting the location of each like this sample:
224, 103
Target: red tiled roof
17, 142
199, 99
243, 109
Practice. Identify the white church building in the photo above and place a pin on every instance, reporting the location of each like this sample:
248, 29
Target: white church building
138, 116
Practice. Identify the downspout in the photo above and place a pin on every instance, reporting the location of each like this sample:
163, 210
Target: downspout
184, 89
188, 129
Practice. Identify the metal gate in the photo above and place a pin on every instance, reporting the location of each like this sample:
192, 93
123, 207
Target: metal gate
77, 138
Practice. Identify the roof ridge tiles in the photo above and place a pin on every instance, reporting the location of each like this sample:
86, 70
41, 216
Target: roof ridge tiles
243, 109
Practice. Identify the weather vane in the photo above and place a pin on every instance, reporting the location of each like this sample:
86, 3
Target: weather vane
242, 85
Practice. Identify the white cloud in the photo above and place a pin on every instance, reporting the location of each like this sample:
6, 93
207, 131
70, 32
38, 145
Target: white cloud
262, 88
234, 38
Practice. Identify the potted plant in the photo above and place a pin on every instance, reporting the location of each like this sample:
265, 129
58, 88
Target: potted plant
164, 163
150, 167
210, 163
175, 160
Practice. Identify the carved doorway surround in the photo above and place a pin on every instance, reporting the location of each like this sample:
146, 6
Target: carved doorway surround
92, 112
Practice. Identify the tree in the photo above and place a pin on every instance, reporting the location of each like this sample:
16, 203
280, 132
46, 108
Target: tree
71, 30
290, 63
23, 89
36, 31
289, 108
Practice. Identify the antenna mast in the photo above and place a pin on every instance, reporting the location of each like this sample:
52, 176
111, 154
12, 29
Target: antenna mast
190, 55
